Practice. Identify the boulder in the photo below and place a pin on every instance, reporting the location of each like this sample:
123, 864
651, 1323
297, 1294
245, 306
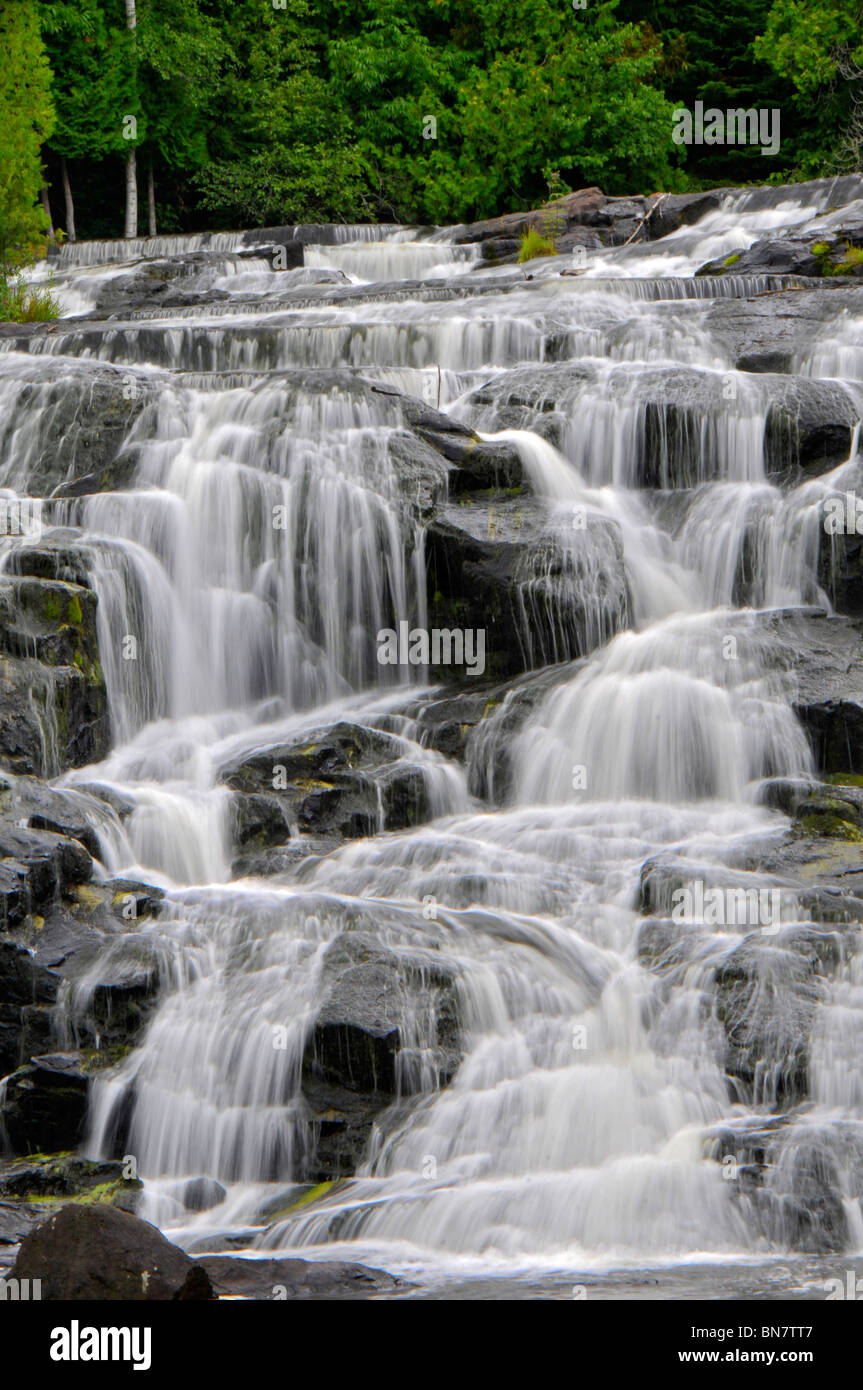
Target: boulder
785, 255
201, 1194
99, 1253
87, 411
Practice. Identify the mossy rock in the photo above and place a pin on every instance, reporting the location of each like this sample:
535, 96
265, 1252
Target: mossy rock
830, 817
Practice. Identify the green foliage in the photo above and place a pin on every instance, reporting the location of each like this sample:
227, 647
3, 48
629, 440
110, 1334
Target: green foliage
26, 119
23, 303
426, 110
819, 47
92, 76
711, 54
807, 41
534, 244
297, 184
553, 220
847, 263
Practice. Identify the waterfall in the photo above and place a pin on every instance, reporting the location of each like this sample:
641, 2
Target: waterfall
561, 1096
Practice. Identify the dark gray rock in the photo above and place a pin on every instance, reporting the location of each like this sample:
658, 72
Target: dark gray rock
786, 255
65, 1175
87, 1253
336, 782
786, 1176
386, 1028
774, 332
502, 569
88, 410
303, 1279
45, 1104
203, 1193
808, 424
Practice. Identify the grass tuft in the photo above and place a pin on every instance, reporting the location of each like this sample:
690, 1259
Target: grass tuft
23, 303
534, 244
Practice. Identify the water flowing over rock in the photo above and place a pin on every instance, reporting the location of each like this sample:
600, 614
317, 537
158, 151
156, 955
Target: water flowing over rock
431, 711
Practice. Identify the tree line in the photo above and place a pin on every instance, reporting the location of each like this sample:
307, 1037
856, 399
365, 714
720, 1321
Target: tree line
129, 117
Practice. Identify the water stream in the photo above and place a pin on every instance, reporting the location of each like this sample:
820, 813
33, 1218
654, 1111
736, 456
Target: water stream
573, 1135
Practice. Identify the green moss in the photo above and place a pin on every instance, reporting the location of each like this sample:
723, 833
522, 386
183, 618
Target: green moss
312, 1195
820, 249
52, 608
832, 825
49, 1158
73, 612
850, 259
105, 1194
100, 1058
731, 260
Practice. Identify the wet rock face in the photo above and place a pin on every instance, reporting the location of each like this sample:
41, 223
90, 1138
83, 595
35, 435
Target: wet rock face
540, 596
678, 418
590, 217
45, 1105
819, 250
82, 430
776, 332
386, 1030
341, 781
53, 699
59, 958
782, 256
766, 993
786, 1178
88, 1253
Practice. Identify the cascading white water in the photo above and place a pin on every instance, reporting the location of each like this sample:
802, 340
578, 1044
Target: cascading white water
573, 1133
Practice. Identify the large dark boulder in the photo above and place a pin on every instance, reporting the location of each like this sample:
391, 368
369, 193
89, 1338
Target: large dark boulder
90, 1253
782, 255
87, 411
